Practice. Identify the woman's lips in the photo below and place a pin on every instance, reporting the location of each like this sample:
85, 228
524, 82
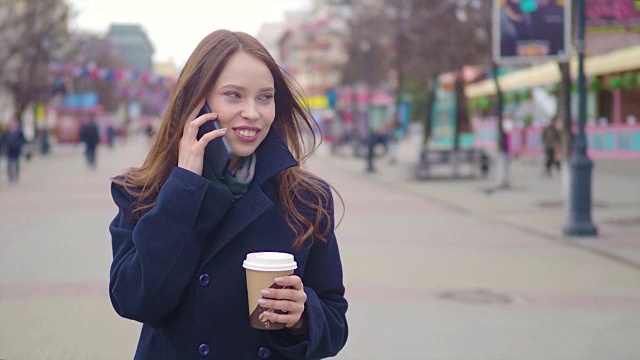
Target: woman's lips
246, 134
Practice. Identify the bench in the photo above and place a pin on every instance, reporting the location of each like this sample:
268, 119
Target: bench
477, 161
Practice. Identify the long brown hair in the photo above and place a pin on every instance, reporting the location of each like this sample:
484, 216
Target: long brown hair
297, 187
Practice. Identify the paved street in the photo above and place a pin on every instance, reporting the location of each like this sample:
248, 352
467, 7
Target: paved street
433, 270
534, 203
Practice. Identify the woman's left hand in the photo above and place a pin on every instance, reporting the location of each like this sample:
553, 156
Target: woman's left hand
291, 300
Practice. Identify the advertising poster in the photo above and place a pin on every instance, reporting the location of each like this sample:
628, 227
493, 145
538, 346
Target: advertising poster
530, 31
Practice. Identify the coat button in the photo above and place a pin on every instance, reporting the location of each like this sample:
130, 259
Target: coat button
264, 353
204, 349
204, 280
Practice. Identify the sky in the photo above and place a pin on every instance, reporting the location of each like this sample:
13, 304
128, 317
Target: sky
175, 27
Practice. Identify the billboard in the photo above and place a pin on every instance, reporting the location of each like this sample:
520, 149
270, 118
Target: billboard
529, 31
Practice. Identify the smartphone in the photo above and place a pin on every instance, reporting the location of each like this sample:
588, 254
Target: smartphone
217, 154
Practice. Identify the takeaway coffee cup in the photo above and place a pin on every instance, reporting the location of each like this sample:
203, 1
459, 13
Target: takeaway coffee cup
262, 268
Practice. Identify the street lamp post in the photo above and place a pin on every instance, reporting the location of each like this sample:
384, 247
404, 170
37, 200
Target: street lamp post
365, 47
580, 223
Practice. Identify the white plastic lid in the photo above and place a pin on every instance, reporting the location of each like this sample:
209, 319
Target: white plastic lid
269, 261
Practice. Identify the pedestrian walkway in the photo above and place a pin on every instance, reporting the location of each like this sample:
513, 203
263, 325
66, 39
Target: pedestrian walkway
533, 203
425, 279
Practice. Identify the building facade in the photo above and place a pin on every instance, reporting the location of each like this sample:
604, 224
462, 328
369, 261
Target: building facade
133, 45
313, 48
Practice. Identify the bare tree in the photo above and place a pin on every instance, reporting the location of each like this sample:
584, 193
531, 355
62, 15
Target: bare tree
418, 40
89, 50
453, 34
32, 32
370, 37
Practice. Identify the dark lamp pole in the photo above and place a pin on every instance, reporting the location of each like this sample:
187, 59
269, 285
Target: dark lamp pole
580, 223
365, 47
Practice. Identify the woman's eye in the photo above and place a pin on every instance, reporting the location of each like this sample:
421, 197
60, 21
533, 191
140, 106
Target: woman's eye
266, 97
234, 95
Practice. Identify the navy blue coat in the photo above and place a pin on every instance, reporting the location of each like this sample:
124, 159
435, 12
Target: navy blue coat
178, 269
14, 141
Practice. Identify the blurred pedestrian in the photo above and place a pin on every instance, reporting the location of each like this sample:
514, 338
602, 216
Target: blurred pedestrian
90, 137
551, 142
111, 136
149, 132
484, 162
183, 230
12, 142
45, 144
394, 136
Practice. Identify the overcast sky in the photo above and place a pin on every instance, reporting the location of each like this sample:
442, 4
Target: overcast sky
176, 26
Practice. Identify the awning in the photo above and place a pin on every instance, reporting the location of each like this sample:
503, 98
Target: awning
549, 73
613, 62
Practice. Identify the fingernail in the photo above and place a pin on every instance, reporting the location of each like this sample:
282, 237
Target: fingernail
262, 301
265, 292
278, 280
223, 129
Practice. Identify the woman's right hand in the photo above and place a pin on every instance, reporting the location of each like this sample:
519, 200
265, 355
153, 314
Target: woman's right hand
191, 152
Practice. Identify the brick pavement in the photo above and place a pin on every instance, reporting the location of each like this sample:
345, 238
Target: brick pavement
534, 203
426, 278
457, 284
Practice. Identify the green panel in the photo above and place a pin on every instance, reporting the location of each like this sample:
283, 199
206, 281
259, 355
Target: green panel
609, 140
635, 141
624, 141
603, 141
377, 117
528, 5
597, 141
443, 141
466, 141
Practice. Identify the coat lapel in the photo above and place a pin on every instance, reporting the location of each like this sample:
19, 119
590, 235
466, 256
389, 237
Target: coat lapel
272, 157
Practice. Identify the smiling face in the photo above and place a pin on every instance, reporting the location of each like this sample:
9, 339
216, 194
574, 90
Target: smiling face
243, 98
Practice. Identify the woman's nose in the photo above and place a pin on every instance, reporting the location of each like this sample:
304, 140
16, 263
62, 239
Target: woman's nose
250, 112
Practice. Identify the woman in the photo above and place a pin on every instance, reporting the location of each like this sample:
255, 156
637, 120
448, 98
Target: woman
14, 141
180, 238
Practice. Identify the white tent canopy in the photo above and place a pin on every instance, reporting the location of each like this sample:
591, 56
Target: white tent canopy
549, 73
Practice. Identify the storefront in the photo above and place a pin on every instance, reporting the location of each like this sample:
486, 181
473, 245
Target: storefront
73, 109
613, 105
